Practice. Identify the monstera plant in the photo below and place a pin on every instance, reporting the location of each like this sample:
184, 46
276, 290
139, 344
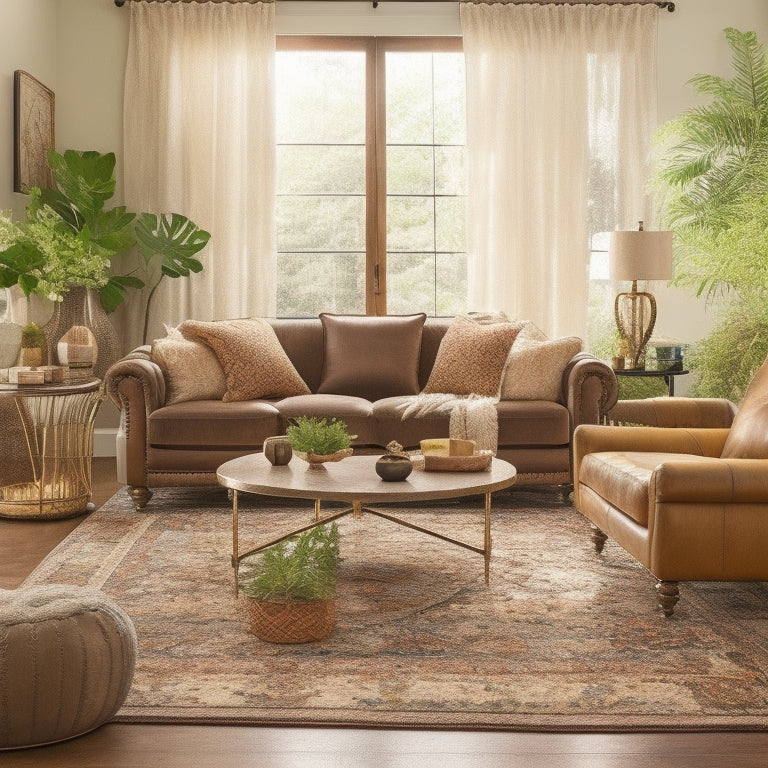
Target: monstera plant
70, 238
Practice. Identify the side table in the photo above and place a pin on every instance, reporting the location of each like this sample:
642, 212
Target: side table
669, 376
46, 453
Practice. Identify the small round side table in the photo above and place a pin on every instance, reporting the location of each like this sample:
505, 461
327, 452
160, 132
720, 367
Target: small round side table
45, 458
669, 376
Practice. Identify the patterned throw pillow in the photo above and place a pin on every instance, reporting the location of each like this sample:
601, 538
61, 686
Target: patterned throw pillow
371, 357
534, 368
254, 363
471, 357
191, 370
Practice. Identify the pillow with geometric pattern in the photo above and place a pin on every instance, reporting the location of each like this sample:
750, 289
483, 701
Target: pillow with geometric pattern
254, 362
471, 357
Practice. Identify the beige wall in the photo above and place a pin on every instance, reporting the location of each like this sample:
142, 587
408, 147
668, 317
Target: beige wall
78, 47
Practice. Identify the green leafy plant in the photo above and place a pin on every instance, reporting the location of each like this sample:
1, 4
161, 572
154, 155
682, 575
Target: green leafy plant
303, 567
713, 181
310, 434
32, 337
70, 238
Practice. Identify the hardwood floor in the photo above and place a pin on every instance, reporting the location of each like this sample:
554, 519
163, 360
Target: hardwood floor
24, 543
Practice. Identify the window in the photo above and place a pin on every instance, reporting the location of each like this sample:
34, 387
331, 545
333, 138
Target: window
370, 176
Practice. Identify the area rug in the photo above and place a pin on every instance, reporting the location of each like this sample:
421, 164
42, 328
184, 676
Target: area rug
561, 639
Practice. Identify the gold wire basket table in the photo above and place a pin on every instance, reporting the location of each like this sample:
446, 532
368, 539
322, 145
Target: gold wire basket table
47, 448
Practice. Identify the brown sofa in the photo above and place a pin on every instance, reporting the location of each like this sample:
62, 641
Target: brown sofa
184, 442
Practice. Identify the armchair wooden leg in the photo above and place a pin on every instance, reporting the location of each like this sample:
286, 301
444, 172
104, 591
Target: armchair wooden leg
598, 538
668, 594
140, 495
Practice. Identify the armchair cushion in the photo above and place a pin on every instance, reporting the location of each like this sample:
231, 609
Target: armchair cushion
748, 438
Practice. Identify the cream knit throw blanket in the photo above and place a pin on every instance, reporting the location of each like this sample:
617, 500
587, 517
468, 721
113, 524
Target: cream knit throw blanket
473, 417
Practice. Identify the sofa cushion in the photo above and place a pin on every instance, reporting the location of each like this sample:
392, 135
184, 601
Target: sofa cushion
254, 363
214, 424
390, 425
371, 357
471, 357
748, 437
541, 422
534, 368
520, 423
355, 412
191, 369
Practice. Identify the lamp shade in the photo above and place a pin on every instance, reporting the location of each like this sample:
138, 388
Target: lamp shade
640, 255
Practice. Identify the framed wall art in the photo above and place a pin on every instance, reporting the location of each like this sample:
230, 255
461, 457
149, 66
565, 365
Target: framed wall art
34, 132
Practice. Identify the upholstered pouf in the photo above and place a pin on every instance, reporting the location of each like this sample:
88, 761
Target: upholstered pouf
67, 657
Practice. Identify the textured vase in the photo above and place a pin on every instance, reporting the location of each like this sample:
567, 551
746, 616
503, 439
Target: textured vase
81, 307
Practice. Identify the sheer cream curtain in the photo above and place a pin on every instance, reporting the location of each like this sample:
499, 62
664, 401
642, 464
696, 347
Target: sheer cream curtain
199, 140
558, 98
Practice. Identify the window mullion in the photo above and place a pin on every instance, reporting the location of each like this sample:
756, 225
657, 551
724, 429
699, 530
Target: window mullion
376, 183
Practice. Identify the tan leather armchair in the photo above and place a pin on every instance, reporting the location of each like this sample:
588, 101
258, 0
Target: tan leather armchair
689, 503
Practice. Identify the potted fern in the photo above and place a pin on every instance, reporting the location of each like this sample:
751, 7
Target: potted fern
319, 440
291, 587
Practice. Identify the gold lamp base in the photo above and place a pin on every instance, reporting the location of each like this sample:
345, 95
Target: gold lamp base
635, 314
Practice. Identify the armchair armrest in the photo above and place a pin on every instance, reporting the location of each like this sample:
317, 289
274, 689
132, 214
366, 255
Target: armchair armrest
597, 438
589, 389
673, 412
715, 481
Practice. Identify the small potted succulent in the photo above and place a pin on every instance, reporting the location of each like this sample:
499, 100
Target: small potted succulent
319, 440
291, 587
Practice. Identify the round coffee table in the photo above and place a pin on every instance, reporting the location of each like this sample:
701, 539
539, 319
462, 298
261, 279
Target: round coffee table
354, 480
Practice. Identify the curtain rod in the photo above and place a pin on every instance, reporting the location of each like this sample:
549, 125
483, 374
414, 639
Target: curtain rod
670, 6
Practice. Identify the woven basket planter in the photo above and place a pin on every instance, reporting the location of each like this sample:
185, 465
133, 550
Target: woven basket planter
291, 622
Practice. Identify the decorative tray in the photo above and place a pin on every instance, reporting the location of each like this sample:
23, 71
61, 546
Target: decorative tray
451, 455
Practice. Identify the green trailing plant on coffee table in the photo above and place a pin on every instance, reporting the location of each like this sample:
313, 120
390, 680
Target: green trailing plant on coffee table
322, 437
301, 568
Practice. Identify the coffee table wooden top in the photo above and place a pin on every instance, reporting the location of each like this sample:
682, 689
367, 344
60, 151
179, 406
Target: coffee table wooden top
355, 479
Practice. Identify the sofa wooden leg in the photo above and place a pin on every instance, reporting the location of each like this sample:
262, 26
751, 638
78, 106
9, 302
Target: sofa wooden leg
140, 495
598, 538
668, 593
566, 492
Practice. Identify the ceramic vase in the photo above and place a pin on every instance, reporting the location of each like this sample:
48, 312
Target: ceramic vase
10, 344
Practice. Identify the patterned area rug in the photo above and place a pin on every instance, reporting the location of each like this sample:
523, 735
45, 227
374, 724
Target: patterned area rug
562, 639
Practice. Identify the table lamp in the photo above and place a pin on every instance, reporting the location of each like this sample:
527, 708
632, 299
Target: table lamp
638, 255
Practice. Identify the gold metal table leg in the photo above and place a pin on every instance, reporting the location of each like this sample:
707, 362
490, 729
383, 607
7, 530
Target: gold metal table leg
235, 538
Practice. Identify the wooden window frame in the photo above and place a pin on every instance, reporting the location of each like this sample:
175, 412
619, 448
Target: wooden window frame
375, 49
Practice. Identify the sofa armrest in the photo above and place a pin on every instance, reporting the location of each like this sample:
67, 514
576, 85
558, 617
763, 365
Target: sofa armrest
136, 386
673, 412
590, 389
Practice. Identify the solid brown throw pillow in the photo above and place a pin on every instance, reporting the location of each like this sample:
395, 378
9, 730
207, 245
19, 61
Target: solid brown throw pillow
471, 358
254, 362
371, 357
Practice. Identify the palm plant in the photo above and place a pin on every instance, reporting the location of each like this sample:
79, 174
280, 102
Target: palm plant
713, 180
